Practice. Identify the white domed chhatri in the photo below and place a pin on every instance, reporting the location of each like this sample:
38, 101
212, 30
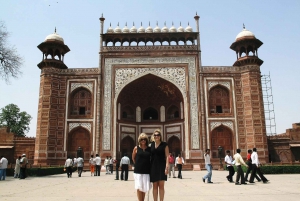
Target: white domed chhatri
156, 29
165, 29
117, 29
110, 29
188, 28
133, 29
149, 29
244, 33
172, 29
180, 28
125, 29
54, 37
141, 29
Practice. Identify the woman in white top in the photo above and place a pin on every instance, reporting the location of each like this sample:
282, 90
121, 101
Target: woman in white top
178, 163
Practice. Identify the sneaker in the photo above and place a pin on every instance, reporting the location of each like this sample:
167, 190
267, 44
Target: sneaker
237, 183
203, 180
174, 177
210, 182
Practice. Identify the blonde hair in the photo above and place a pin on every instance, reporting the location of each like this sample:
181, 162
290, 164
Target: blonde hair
156, 131
143, 136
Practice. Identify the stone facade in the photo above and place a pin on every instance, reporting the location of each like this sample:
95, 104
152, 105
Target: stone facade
285, 147
138, 88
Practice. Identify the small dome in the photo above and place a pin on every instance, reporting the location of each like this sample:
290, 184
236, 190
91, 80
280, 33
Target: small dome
156, 29
133, 29
180, 28
125, 29
149, 29
172, 28
110, 29
165, 29
141, 29
54, 37
245, 33
188, 28
118, 29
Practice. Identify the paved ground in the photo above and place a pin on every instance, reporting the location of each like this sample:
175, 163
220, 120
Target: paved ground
190, 188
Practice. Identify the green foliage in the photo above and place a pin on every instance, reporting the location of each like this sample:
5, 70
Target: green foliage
277, 169
17, 122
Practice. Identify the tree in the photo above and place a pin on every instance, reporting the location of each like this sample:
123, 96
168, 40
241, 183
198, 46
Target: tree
10, 61
16, 121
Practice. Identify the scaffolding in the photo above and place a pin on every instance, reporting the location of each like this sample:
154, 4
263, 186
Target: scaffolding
268, 105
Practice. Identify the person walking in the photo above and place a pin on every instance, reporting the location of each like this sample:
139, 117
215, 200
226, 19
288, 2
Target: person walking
23, 165
179, 162
3, 167
69, 166
117, 168
249, 163
238, 163
171, 159
106, 164
80, 164
111, 165
159, 164
141, 158
228, 162
124, 163
97, 161
92, 165
208, 167
17, 168
256, 168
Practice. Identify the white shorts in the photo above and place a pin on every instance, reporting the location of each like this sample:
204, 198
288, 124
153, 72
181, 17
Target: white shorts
142, 182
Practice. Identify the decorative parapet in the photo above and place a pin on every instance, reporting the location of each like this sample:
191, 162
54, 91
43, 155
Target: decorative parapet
229, 69
149, 48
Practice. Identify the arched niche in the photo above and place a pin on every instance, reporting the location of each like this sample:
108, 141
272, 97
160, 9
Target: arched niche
80, 103
127, 145
174, 145
173, 112
128, 113
79, 137
219, 100
221, 136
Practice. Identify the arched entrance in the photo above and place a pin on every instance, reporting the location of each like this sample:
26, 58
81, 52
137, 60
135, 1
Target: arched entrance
174, 145
127, 145
79, 137
221, 136
147, 97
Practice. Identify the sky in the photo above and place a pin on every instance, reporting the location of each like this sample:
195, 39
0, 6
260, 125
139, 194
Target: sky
275, 23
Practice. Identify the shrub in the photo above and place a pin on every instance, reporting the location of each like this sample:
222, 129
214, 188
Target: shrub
39, 172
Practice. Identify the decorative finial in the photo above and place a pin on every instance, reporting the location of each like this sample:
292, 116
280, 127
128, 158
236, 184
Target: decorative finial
102, 15
180, 23
172, 23
55, 30
243, 26
110, 24
118, 23
149, 23
196, 13
141, 24
133, 23
165, 23
188, 23
126, 24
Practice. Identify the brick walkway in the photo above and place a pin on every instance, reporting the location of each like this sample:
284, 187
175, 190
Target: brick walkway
190, 188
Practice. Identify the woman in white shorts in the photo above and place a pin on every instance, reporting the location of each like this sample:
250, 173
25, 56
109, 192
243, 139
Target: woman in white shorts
141, 158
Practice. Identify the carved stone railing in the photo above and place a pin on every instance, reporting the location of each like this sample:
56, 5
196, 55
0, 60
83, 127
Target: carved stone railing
150, 48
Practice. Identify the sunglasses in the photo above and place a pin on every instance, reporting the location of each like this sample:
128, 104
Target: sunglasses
143, 139
155, 135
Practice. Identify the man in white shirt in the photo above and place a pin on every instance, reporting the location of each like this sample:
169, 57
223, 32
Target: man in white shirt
3, 167
179, 163
68, 166
228, 161
79, 165
208, 167
106, 164
125, 161
97, 161
239, 162
255, 168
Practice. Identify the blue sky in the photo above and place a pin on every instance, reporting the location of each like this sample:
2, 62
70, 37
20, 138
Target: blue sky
275, 23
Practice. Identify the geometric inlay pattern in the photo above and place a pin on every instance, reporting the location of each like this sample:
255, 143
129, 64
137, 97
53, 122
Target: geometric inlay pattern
87, 85
171, 135
88, 126
215, 124
190, 61
214, 83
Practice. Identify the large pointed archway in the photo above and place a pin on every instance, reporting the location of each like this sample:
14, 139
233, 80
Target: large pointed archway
146, 104
79, 137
